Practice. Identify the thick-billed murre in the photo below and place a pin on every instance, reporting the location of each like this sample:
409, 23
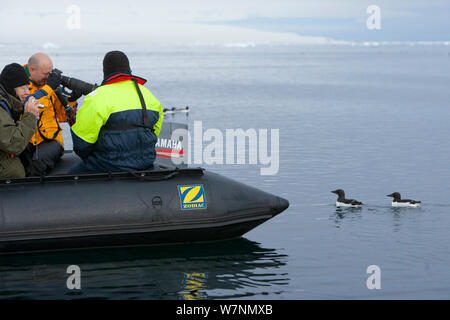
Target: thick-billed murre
342, 202
398, 202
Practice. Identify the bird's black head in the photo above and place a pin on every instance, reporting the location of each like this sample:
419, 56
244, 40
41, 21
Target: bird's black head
395, 195
339, 192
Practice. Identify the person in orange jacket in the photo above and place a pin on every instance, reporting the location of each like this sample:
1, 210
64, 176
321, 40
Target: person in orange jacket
46, 146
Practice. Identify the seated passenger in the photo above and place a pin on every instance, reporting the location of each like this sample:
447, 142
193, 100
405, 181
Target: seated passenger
46, 145
118, 125
14, 132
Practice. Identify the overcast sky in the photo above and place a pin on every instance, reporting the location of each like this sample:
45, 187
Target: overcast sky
231, 21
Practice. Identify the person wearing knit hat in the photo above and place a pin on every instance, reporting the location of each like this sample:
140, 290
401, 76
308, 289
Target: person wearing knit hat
15, 81
119, 123
15, 133
115, 62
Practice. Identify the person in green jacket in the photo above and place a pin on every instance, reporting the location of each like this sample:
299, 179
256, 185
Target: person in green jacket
17, 122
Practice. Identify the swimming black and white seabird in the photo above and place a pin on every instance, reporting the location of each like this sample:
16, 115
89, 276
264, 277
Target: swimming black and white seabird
342, 202
169, 111
174, 110
398, 202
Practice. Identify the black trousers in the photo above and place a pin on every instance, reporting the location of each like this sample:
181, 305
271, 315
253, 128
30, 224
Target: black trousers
41, 159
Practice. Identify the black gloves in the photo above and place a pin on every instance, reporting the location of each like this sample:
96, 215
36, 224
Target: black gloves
54, 79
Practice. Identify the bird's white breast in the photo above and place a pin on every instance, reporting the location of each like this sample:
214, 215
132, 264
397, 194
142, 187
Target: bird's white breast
341, 204
405, 204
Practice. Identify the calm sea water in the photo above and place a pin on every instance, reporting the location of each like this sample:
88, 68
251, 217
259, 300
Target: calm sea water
368, 120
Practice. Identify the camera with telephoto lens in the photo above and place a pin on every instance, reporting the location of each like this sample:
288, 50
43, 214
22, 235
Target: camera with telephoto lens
75, 84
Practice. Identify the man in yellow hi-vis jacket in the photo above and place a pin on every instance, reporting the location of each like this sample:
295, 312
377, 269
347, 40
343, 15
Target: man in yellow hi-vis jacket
118, 124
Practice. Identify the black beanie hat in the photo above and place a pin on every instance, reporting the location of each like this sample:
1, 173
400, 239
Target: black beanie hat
115, 61
13, 76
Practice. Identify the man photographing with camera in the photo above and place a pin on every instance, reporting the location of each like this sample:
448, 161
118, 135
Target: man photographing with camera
17, 120
46, 145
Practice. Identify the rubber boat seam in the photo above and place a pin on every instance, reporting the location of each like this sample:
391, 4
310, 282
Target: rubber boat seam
141, 175
134, 228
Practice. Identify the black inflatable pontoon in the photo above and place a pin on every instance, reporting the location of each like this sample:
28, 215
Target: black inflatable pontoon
164, 205
122, 209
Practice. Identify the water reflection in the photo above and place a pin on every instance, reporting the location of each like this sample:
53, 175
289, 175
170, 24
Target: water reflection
340, 213
402, 215
195, 284
196, 271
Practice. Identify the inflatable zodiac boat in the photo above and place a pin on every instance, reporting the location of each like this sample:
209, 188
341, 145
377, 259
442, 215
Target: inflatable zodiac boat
162, 205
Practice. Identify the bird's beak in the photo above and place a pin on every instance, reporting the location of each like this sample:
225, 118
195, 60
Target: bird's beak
390, 195
335, 191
